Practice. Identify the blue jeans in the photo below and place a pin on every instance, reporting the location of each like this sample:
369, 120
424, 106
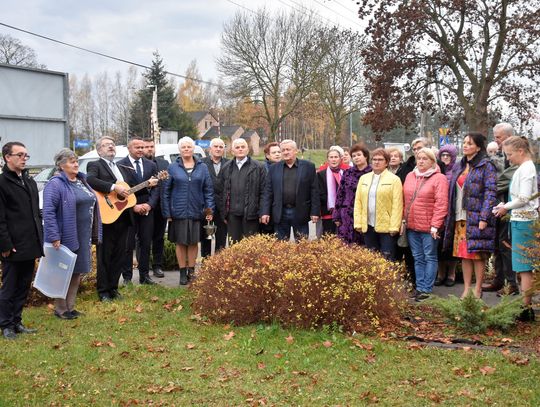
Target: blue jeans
424, 250
381, 242
283, 228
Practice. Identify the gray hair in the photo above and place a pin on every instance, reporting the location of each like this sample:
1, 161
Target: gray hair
422, 140
288, 141
238, 140
187, 140
100, 141
506, 128
63, 156
338, 149
215, 141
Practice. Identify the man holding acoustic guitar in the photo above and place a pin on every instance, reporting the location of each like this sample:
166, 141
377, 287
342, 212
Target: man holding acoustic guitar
106, 178
112, 181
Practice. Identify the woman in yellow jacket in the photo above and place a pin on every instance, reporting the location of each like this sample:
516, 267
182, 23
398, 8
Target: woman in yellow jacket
378, 206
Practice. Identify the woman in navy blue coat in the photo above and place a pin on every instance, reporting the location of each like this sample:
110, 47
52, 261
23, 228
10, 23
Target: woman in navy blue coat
71, 218
187, 197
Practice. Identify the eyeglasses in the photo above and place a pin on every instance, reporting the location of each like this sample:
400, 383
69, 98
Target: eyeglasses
21, 155
445, 155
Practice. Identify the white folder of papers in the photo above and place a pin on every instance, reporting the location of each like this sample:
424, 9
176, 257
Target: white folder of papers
54, 271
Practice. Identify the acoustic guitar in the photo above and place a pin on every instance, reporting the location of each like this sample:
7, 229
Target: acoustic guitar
111, 205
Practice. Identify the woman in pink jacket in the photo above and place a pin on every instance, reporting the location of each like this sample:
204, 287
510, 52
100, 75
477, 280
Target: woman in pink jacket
425, 207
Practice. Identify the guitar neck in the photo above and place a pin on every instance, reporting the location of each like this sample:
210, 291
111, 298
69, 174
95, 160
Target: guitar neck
139, 187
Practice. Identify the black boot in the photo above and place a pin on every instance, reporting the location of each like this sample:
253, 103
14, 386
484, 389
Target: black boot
190, 273
183, 276
527, 315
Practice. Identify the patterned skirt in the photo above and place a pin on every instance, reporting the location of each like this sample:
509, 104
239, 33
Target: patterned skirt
460, 243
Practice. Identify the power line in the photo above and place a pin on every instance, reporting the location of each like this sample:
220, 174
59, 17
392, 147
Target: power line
343, 7
304, 8
339, 14
241, 6
104, 55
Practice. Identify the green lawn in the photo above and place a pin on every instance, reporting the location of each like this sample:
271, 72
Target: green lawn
150, 349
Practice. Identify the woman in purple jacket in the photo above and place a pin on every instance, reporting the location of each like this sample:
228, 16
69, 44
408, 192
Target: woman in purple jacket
344, 208
470, 224
447, 263
71, 218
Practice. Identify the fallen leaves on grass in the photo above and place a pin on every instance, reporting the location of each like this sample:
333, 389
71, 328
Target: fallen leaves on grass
289, 339
190, 346
487, 370
261, 366
122, 320
458, 371
364, 346
139, 309
169, 388
370, 358
327, 344
229, 336
158, 349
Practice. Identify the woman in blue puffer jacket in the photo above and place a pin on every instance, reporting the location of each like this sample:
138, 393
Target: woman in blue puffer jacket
187, 196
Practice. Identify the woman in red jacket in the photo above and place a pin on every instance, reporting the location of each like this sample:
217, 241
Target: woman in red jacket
425, 207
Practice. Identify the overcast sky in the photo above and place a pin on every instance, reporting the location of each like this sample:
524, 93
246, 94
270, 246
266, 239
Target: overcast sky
181, 30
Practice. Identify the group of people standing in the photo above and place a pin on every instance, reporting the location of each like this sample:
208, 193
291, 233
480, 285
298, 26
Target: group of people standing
449, 210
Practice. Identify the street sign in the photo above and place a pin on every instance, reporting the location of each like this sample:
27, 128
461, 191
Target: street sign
202, 143
443, 136
82, 143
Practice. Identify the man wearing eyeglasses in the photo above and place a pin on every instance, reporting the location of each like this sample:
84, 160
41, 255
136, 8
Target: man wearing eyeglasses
21, 237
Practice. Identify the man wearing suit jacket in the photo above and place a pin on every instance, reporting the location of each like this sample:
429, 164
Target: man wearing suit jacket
102, 176
291, 195
160, 224
139, 169
215, 162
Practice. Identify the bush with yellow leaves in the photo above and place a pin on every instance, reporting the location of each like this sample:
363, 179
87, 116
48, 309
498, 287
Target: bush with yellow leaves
309, 284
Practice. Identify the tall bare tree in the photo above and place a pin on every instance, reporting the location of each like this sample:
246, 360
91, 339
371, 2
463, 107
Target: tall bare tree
265, 56
339, 83
14, 52
478, 53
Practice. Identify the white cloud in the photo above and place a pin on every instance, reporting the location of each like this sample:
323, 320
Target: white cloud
181, 30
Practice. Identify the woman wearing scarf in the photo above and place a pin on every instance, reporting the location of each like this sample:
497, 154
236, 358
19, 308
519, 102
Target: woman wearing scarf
470, 224
447, 263
329, 179
344, 209
425, 207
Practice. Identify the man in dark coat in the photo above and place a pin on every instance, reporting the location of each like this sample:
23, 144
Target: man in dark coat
215, 162
503, 252
21, 237
138, 170
242, 181
160, 223
102, 175
291, 194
